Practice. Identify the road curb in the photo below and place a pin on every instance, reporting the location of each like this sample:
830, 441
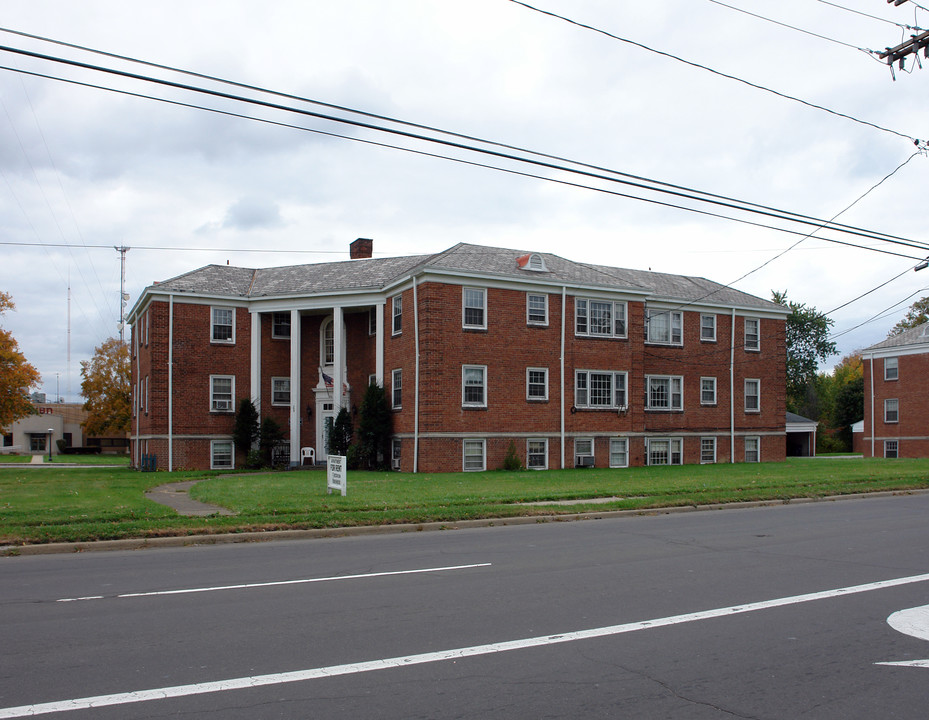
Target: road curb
175, 541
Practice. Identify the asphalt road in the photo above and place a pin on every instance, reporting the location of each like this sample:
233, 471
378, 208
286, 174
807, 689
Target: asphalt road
758, 613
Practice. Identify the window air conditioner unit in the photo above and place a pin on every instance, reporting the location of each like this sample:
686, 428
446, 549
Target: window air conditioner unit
222, 404
584, 461
395, 463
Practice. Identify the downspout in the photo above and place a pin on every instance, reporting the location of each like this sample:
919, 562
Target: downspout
170, 383
732, 391
416, 380
872, 405
564, 291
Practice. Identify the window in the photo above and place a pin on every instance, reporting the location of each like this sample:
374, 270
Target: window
397, 304
223, 327
664, 392
664, 327
584, 452
599, 318
147, 406
619, 452
474, 308
329, 343
396, 389
708, 328
752, 337
752, 396
280, 391
473, 456
221, 391
473, 385
891, 411
891, 369
537, 383
600, 390
280, 325
664, 451
752, 449
221, 454
372, 321
707, 450
708, 391
537, 309
891, 449
396, 444
537, 454
37, 442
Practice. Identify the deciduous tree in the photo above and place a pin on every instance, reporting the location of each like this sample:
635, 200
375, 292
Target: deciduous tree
808, 344
916, 315
105, 388
17, 376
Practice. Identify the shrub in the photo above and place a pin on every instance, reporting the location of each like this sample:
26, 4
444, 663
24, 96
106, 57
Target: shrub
511, 461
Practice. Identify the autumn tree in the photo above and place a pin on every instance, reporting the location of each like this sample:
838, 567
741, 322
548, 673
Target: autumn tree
105, 388
17, 377
808, 344
916, 315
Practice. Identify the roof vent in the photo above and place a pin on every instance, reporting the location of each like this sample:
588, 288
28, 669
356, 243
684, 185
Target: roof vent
532, 261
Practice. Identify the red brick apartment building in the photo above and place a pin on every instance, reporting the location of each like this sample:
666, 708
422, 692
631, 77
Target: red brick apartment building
477, 348
896, 396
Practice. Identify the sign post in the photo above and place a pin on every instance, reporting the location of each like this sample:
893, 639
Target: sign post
336, 474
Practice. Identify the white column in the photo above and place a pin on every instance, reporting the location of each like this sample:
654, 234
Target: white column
255, 359
379, 344
338, 361
295, 414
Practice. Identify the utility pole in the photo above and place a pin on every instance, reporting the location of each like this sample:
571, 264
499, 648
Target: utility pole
123, 297
912, 47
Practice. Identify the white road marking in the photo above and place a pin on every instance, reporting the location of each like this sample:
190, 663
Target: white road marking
301, 581
915, 622
455, 654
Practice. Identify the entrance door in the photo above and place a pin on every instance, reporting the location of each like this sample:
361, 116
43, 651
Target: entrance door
325, 419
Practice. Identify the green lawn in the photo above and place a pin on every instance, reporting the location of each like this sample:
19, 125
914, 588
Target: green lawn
13, 459
80, 504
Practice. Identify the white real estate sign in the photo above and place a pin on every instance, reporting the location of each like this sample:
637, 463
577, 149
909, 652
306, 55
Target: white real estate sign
336, 474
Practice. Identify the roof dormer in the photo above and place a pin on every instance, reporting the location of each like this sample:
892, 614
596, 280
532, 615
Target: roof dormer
533, 262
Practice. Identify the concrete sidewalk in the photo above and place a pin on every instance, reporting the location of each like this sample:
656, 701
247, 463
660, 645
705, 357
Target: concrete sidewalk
177, 497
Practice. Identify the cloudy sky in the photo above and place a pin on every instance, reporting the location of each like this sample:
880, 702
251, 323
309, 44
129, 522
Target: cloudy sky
87, 169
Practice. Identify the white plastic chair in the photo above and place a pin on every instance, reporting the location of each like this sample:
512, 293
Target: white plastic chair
307, 452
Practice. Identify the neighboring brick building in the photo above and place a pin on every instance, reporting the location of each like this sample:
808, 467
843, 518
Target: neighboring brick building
896, 396
477, 348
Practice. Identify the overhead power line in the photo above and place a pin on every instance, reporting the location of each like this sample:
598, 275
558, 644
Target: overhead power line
586, 171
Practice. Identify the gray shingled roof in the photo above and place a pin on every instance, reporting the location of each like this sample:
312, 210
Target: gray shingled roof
374, 274
918, 335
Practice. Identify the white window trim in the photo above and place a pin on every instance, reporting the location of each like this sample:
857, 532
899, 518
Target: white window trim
757, 381
273, 324
707, 339
671, 443
213, 465
896, 420
544, 465
757, 346
529, 397
625, 442
278, 403
529, 320
396, 303
896, 449
464, 455
231, 407
896, 367
672, 314
464, 308
464, 369
593, 450
712, 402
757, 439
708, 462
394, 374
613, 404
231, 340
613, 312
671, 407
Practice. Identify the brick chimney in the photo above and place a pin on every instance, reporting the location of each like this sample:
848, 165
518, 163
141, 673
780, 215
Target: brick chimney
361, 248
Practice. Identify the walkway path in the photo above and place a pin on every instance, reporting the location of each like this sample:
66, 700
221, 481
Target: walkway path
176, 496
